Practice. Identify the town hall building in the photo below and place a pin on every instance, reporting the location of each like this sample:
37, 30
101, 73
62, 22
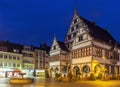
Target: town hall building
87, 48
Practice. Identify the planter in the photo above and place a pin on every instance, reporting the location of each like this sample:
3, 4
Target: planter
21, 80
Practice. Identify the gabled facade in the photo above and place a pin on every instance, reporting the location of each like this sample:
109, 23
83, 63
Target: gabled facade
57, 57
91, 49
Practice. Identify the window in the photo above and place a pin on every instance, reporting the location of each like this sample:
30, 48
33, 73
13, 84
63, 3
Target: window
18, 58
18, 65
30, 55
69, 37
74, 34
77, 26
80, 52
15, 50
5, 56
89, 51
5, 64
80, 38
2, 48
72, 29
14, 57
10, 57
14, 65
9, 64
54, 47
1, 56
98, 52
85, 51
75, 21
1, 64
107, 53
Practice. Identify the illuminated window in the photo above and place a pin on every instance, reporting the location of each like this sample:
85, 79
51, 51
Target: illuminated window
85, 51
98, 52
5, 64
14, 65
1, 64
15, 50
9, 64
89, 51
18, 65
80, 53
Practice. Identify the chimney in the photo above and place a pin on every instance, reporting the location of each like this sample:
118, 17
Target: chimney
45, 45
41, 46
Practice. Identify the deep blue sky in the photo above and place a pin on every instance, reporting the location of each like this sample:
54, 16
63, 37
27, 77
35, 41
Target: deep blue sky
36, 21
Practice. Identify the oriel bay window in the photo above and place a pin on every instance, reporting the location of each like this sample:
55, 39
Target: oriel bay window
55, 58
98, 52
83, 52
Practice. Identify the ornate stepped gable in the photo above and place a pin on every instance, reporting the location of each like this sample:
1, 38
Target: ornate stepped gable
80, 25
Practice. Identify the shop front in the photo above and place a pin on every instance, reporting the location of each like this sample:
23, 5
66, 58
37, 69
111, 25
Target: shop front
40, 73
28, 73
6, 72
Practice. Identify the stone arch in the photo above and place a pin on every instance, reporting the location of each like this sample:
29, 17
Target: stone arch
85, 69
57, 70
97, 68
64, 69
52, 72
76, 70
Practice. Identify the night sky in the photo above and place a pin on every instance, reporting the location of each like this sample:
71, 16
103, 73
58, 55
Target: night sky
36, 21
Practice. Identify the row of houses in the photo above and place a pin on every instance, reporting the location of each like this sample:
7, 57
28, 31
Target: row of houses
16, 59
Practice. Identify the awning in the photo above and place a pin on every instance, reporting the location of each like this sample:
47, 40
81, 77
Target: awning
16, 70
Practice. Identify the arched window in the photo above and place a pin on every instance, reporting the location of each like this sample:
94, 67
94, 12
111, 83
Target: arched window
76, 70
86, 69
97, 69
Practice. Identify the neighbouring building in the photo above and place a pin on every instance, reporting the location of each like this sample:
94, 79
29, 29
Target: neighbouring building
28, 60
16, 59
11, 59
41, 59
87, 48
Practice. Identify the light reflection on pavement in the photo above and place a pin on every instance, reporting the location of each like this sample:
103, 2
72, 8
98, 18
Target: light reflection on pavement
41, 82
